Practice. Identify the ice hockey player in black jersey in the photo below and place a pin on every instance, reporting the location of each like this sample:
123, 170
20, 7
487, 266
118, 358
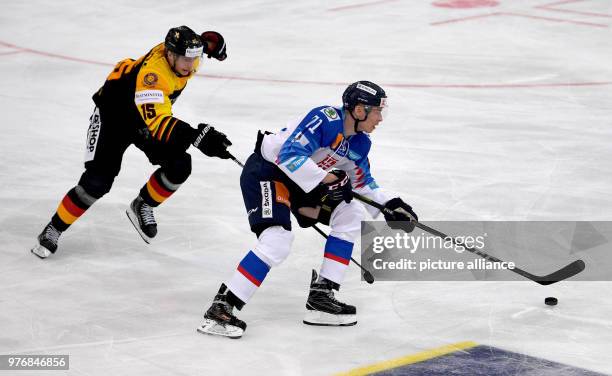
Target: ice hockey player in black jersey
134, 106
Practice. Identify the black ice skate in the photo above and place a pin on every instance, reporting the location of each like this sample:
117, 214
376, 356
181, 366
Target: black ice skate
141, 215
47, 242
219, 319
322, 308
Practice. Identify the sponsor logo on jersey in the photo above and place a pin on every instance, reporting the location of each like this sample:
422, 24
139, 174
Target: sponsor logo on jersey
330, 113
150, 79
266, 199
251, 211
296, 163
93, 135
342, 149
366, 89
149, 96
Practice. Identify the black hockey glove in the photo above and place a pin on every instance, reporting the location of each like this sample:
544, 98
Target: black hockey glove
402, 216
212, 142
339, 190
216, 46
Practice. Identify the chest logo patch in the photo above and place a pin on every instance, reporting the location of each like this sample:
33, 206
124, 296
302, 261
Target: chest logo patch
330, 113
150, 79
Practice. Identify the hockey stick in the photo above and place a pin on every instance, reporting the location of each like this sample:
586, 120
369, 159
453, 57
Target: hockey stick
369, 278
366, 274
567, 271
237, 161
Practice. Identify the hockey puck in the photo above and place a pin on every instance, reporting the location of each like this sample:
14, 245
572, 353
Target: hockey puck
551, 301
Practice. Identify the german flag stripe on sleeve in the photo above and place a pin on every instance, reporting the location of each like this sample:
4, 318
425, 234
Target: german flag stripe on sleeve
154, 125
156, 120
164, 126
170, 129
162, 123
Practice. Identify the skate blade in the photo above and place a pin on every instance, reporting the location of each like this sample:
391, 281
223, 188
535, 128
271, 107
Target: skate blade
319, 318
40, 251
132, 217
213, 328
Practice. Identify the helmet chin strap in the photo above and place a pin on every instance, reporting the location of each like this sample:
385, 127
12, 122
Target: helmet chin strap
357, 121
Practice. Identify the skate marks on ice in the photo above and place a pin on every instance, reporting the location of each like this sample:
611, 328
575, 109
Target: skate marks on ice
579, 319
469, 358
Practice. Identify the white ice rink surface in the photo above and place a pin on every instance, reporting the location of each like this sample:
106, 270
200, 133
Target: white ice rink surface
503, 117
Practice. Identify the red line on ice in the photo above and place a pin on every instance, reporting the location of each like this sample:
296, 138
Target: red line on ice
464, 19
49, 54
551, 5
361, 5
561, 3
555, 19
517, 15
331, 83
10, 52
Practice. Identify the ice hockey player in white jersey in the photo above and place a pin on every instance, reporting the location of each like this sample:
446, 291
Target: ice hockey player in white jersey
310, 169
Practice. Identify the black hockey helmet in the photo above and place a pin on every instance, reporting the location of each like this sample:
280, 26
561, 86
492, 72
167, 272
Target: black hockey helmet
184, 41
363, 92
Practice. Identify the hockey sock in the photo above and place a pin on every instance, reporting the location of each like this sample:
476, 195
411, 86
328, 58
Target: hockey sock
72, 206
249, 275
157, 189
336, 259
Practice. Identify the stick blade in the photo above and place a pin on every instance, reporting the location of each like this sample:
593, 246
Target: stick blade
369, 278
566, 272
